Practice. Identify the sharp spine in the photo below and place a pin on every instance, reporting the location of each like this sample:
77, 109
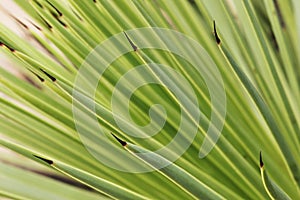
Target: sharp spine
122, 142
50, 162
135, 48
49, 76
218, 40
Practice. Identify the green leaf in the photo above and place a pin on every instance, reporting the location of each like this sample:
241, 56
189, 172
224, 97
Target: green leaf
21, 184
264, 109
179, 176
273, 190
258, 68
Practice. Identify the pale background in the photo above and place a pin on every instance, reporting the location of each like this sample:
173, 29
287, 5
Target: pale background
9, 6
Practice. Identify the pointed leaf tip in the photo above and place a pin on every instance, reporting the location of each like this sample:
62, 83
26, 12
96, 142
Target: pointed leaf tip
2, 44
19, 21
36, 26
49, 76
261, 163
50, 162
62, 23
216, 34
40, 78
273, 190
130, 42
58, 12
122, 142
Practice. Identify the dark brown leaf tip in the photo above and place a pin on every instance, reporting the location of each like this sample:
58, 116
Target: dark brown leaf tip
40, 78
38, 3
216, 34
33, 24
49, 76
2, 44
50, 162
261, 163
46, 23
122, 142
20, 22
62, 23
130, 42
58, 12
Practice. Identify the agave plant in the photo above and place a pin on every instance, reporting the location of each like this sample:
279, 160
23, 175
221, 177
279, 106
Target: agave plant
153, 99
